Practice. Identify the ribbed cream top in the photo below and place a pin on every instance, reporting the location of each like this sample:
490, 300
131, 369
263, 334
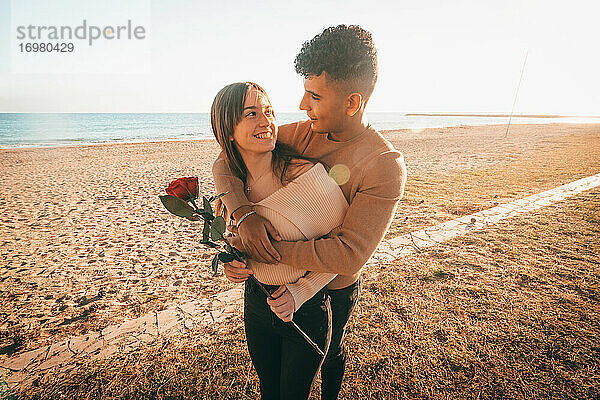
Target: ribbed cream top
308, 207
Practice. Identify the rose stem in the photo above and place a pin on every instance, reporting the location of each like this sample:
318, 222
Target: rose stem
266, 292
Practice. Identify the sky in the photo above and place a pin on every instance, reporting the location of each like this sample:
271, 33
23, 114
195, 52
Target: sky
434, 55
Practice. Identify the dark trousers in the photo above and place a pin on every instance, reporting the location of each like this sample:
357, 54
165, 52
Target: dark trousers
343, 302
285, 363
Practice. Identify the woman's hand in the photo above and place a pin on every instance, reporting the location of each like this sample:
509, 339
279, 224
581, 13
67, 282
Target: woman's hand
236, 242
236, 271
283, 304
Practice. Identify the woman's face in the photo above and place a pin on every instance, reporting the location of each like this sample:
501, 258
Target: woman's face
257, 131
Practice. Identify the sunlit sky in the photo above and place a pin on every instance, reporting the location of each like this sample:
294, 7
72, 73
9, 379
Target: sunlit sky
434, 56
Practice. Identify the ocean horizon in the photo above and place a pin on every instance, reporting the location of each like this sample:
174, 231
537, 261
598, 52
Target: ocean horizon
67, 129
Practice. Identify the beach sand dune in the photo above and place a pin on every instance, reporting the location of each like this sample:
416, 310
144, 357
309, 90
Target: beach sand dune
86, 242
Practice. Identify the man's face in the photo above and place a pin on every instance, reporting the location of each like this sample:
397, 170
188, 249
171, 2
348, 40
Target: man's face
323, 105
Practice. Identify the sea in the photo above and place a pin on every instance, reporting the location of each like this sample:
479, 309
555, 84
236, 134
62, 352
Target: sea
68, 129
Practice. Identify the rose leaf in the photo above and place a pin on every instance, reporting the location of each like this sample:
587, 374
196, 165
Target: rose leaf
177, 206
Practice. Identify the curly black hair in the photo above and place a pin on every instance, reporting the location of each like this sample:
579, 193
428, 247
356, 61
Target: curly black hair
346, 53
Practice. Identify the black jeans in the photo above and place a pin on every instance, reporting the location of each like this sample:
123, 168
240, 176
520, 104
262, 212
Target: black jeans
285, 363
343, 302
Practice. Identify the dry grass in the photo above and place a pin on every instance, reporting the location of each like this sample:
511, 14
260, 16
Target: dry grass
511, 312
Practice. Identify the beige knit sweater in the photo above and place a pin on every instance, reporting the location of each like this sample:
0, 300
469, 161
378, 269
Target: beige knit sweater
308, 207
370, 172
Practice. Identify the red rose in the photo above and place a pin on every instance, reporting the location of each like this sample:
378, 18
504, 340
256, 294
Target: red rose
184, 188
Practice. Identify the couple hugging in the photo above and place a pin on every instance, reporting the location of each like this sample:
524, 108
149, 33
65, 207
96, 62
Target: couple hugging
311, 201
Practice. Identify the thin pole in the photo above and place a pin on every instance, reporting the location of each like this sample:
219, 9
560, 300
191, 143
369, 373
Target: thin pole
516, 94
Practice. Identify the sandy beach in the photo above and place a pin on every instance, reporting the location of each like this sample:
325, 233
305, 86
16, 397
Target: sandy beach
86, 243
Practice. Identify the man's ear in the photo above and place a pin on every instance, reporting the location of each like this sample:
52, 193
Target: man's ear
353, 104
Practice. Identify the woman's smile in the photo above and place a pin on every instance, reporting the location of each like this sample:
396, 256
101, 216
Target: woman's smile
264, 135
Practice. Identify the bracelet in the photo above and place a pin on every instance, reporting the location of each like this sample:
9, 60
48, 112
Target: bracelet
244, 217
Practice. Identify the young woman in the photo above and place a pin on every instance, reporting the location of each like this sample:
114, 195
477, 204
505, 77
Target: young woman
301, 201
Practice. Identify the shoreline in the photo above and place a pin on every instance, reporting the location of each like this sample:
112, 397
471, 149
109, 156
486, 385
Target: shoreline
108, 143
499, 115
383, 131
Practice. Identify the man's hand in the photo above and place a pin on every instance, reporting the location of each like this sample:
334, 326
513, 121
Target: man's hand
237, 272
254, 233
283, 304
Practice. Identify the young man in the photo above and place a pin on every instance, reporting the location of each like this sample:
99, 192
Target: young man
340, 70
